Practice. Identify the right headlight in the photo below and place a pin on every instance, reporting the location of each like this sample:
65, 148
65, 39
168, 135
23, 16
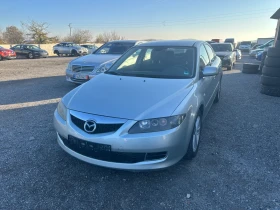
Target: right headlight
62, 110
157, 124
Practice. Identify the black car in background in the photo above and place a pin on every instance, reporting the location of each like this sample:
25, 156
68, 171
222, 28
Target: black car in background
226, 52
29, 51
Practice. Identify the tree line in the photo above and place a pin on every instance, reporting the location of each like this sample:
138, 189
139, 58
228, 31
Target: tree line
37, 33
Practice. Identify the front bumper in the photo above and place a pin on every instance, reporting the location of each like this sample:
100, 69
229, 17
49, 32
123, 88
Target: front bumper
10, 57
171, 142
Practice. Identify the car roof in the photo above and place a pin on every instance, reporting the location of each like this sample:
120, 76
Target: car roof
66, 43
186, 43
124, 41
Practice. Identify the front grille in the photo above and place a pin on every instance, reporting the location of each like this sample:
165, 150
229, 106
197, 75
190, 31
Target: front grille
77, 68
103, 152
100, 128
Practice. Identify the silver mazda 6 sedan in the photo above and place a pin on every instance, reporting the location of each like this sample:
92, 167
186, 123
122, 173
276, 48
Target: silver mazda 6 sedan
146, 111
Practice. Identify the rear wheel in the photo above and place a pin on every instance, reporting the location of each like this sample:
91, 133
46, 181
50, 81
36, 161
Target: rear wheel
195, 139
30, 55
1, 58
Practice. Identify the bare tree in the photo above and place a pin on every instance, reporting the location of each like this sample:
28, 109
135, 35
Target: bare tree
1, 37
108, 36
79, 37
37, 31
13, 35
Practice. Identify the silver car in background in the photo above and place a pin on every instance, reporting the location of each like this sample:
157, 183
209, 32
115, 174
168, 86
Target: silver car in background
146, 111
69, 48
82, 69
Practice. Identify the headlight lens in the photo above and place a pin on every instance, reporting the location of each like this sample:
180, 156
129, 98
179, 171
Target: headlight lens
69, 66
157, 124
62, 110
104, 66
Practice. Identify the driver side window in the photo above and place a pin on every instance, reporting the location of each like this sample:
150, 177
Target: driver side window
203, 58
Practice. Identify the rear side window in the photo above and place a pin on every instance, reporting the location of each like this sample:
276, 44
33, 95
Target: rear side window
203, 57
210, 52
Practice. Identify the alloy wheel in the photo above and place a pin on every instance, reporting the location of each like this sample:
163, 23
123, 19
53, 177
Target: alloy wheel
196, 133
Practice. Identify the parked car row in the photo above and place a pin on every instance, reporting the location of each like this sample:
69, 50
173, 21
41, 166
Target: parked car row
22, 50
32, 51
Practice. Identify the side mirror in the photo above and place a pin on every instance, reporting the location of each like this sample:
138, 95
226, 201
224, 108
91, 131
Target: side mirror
210, 71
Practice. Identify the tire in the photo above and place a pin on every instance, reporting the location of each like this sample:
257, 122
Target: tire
1, 58
218, 96
74, 53
272, 62
270, 71
30, 55
250, 68
273, 52
270, 90
194, 143
229, 68
56, 52
270, 81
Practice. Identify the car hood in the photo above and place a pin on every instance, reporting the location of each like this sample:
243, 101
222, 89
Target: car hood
94, 59
125, 97
225, 53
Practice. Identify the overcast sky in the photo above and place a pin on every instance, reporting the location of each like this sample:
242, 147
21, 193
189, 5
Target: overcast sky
160, 19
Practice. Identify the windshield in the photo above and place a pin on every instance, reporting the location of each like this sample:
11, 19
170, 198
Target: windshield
156, 62
221, 47
245, 43
115, 48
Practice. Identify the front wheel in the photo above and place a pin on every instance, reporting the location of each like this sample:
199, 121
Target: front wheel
74, 53
218, 96
195, 139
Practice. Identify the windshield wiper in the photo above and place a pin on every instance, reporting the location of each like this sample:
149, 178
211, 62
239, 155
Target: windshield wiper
112, 72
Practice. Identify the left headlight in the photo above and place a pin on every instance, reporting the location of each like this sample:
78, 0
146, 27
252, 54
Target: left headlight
104, 66
157, 124
62, 110
69, 66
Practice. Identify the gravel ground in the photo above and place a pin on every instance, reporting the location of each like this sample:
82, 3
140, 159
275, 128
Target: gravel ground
237, 166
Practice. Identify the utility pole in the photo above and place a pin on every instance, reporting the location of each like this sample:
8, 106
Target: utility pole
70, 28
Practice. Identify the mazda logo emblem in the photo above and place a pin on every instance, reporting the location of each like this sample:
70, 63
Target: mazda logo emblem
90, 126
